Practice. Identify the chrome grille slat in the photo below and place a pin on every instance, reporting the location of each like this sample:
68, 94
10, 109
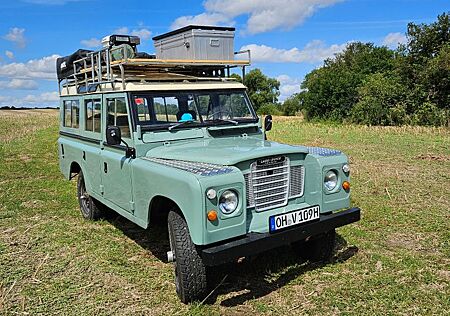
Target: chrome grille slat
271, 202
259, 184
264, 190
269, 195
270, 186
275, 168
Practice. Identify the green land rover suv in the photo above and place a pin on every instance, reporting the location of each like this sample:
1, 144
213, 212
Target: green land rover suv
178, 143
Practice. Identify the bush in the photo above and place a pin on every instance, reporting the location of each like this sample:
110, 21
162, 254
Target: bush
269, 108
379, 102
292, 105
429, 114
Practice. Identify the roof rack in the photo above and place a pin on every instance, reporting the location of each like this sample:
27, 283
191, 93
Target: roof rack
102, 67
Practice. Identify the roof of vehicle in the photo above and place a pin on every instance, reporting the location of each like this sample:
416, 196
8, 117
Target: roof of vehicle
159, 86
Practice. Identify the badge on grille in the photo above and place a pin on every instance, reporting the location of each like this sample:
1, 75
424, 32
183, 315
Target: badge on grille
270, 160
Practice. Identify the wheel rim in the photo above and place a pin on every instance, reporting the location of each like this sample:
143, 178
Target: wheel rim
84, 200
172, 248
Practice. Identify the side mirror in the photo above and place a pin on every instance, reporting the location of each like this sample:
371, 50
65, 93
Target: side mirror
268, 123
113, 135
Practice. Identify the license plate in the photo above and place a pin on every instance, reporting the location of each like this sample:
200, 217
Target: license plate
277, 222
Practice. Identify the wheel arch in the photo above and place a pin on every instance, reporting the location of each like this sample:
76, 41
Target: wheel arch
159, 208
74, 170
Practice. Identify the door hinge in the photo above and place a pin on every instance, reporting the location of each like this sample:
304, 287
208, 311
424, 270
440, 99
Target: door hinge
102, 189
132, 206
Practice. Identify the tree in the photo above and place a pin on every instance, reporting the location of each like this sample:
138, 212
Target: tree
380, 101
332, 90
262, 90
292, 105
424, 63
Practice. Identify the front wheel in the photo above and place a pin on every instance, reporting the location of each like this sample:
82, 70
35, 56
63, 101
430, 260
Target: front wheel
190, 272
320, 248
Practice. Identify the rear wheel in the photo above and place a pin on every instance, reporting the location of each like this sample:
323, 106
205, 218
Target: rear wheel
89, 207
190, 272
320, 248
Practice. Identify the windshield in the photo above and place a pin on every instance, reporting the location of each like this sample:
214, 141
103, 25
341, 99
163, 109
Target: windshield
165, 109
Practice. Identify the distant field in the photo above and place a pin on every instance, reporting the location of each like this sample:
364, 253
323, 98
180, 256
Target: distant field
395, 261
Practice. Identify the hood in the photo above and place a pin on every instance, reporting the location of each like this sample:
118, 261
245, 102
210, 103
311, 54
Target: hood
224, 151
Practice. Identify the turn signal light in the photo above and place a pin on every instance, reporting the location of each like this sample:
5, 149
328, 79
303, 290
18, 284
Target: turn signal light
212, 216
346, 185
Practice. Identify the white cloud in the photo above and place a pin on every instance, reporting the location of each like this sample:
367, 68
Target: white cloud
16, 35
263, 15
31, 100
42, 98
121, 31
9, 54
392, 40
91, 43
19, 84
43, 68
288, 86
202, 19
314, 52
142, 32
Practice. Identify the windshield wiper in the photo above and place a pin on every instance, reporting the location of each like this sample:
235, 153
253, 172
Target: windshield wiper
224, 120
171, 127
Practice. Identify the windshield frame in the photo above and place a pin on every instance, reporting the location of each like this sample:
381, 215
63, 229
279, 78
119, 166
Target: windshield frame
201, 123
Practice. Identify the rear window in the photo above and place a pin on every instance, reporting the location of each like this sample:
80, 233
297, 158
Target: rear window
71, 112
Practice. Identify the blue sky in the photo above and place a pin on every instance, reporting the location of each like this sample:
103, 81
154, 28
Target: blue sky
288, 38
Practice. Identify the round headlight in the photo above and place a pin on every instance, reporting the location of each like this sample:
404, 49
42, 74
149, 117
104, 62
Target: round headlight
228, 202
330, 180
346, 168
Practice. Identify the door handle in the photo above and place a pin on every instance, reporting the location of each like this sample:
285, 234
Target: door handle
105, 167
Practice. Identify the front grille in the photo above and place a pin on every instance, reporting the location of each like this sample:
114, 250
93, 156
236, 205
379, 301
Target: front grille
270, 185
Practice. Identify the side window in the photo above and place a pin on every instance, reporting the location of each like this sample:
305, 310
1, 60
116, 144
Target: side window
160, 107
93, 115
117, 115
142, 109
71, 113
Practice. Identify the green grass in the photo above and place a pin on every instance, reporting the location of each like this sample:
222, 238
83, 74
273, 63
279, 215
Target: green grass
396, 260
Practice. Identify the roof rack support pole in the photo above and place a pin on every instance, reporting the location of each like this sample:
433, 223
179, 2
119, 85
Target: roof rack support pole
92, 67
108, 65
85, 73
76, 81
99, 61
122, 76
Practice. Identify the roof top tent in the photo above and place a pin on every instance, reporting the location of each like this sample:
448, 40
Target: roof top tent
191, 53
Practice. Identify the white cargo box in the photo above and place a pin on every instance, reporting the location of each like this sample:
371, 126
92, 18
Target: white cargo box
196, 43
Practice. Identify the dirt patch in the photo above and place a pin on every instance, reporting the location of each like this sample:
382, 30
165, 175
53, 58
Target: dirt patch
25, 158
32, 204
409, 242
433, 157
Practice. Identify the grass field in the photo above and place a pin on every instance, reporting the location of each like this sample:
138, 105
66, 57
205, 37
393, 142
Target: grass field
396, 260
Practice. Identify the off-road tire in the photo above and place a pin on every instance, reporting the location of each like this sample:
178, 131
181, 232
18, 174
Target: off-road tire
321, 248
190, 272
89, 207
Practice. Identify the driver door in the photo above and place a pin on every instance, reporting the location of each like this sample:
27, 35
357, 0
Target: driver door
115, 167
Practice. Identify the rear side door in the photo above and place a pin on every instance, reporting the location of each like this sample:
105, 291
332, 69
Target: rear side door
115, 167
91, 127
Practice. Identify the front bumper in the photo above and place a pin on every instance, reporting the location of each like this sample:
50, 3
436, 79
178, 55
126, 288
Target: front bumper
254, 243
